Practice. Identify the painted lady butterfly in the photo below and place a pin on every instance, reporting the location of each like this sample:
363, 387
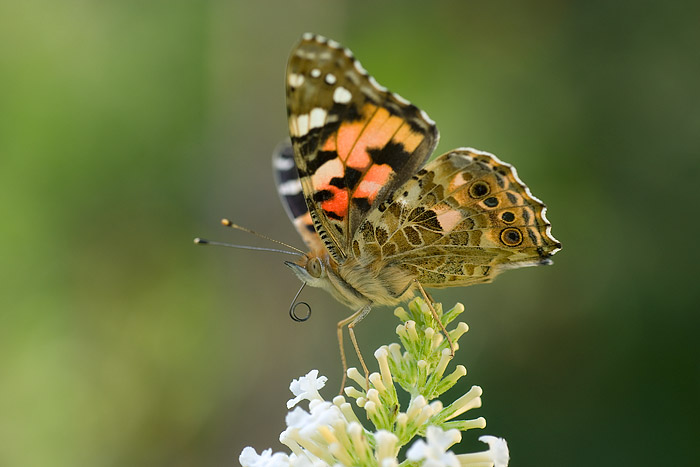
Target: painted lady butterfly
379, 227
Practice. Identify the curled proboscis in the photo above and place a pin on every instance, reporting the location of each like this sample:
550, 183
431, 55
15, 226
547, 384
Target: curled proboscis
293, 308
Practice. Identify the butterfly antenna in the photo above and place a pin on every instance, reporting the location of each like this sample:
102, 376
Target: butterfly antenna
203, 241
228, 223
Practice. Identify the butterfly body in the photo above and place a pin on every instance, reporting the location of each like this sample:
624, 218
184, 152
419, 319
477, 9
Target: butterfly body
381, 226
355, 285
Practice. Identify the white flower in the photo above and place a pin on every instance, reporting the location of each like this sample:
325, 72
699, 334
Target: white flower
250, 458
323, 413
306, 388
386, 448
434, 453
498, 448
304, 461
496, 456
330, 434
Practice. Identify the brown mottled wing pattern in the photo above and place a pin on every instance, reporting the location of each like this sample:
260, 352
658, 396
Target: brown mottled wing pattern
354, 142
461, 220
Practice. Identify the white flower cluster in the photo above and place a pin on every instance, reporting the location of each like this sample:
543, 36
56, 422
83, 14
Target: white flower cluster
330, 434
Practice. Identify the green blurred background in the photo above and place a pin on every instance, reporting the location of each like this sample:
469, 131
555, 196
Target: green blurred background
127, 128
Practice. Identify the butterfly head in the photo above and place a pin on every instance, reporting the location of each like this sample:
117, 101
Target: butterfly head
310, 269
320, 270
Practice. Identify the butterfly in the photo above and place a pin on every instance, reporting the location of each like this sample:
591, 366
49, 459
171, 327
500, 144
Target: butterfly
380, 225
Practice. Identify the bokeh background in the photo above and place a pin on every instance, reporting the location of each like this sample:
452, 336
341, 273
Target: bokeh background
127, 128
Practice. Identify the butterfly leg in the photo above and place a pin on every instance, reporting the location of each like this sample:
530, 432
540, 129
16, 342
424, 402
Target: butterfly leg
350, 322
429, 301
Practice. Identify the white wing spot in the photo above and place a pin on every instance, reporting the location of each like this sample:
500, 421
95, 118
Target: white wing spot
304, 54
317, 118
374, 83
334, 44
315, 73
307, 36
301, 124
360, 69
401, 99
295, 80
426, 118
330, 78
341, 95
290, 187
283, 163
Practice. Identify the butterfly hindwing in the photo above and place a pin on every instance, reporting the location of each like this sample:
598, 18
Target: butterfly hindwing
290, 192
354, 142
461, 220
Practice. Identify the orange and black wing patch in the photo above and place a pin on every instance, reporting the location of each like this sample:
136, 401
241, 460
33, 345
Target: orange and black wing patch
354, 141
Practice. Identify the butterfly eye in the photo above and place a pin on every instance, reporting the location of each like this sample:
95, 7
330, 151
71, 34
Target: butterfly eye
479, 189
315, 267
511, 237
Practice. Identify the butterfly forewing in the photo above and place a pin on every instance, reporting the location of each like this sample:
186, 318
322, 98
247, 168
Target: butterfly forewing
354, 142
